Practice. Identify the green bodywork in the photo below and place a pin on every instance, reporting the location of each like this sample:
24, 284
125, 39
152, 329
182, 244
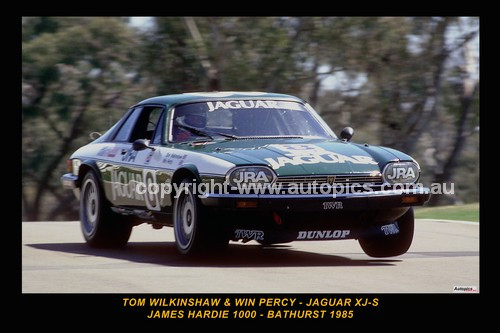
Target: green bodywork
256, 151
286, 156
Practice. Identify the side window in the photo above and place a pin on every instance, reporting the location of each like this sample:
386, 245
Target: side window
127, 127
159, 129
154, 116
146, 123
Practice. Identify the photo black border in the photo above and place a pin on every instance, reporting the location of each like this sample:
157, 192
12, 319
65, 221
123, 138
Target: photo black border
51, 310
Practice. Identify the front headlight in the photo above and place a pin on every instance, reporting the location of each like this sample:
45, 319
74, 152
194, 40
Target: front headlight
401, 173
243, 176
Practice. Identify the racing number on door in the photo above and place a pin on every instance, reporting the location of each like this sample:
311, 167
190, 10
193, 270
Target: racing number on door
152, 189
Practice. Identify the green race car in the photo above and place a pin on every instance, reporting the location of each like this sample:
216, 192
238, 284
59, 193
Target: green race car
224, 166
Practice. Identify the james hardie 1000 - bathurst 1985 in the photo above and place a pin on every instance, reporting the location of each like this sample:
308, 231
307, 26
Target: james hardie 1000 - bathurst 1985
247, 166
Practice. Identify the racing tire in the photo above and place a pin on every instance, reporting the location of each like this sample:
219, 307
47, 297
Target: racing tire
101, 227
391, 245
191, 230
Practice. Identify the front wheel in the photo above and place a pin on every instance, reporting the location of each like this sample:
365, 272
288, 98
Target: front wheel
187, 216
191, 229
101, 227
391, 245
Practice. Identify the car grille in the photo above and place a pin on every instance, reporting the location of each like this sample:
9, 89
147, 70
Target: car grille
347, 179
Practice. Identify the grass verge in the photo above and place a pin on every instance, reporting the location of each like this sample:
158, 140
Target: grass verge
468, 212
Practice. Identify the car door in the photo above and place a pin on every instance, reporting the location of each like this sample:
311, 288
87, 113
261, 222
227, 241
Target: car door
128, 167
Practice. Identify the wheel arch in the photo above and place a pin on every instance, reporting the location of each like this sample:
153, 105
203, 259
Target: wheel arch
189, 171
85, 167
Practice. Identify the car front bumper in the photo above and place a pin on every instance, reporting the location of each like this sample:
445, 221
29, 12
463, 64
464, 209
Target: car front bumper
356, 201
283, 218
69, 181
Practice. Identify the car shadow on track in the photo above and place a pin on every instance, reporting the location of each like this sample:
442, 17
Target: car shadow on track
237, 255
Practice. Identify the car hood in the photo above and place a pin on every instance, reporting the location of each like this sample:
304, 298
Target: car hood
302, 156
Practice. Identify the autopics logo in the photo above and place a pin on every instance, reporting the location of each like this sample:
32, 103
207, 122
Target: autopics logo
465, 289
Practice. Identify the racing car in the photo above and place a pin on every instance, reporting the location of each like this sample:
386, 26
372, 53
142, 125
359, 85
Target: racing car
242, 166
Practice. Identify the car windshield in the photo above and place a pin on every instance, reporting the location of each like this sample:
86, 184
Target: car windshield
242, 119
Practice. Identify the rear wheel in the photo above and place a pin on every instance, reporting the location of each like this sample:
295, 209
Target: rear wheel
101, 227
391, 245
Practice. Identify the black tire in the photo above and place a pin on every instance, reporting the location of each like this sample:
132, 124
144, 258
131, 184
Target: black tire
191, 230
391, 245
101, 227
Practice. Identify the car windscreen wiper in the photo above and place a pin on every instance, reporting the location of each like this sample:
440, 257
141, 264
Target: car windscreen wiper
230, 136
263, 137
206, 133
194, 130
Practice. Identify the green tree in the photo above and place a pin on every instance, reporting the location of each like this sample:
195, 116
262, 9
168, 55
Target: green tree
77, 77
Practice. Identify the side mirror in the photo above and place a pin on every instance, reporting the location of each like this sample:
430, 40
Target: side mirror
141, 144
95, 135
347, 133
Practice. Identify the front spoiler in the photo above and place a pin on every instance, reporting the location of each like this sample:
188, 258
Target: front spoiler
370, 200
326, 233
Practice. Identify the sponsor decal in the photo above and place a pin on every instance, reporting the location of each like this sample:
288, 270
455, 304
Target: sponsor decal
390, 229
124, 185
251, 176
226, 105
130, 155
333, 205
148, 157
108, 151
152, 199
300, 149
167, 159
323, 234
297, 154
112, 152
171, 157
182, 160
153, 155
249, 234
401, 173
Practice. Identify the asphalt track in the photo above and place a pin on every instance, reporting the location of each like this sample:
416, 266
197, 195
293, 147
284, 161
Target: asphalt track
55, 259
